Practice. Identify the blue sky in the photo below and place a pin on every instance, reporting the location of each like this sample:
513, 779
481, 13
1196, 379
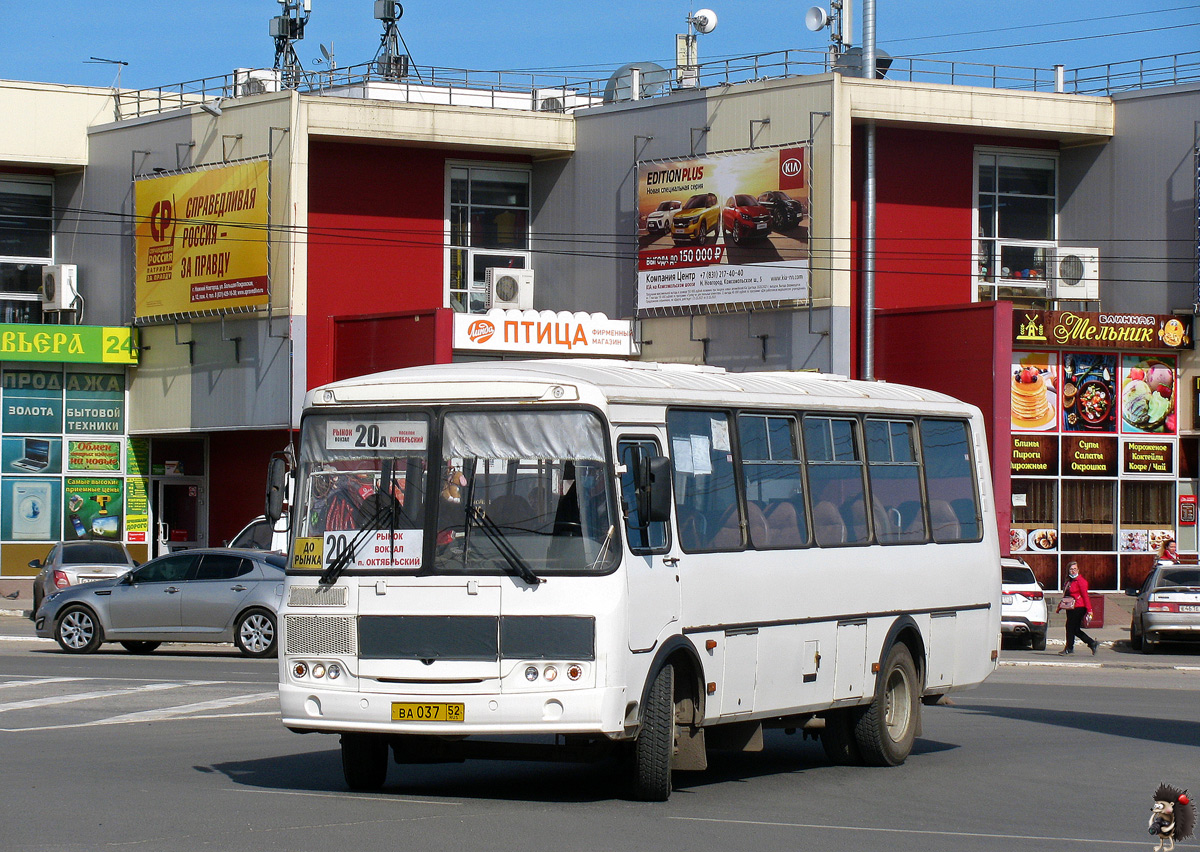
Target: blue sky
170, 41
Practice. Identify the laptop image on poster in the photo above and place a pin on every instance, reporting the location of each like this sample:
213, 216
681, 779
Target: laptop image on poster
37, 455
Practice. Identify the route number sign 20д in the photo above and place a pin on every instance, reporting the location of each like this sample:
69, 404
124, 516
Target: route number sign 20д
392, 435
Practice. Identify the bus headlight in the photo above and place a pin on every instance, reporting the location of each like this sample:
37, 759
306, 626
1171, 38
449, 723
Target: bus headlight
318, 670
550, 673
299, 670
335, 671
531, 673
574, 671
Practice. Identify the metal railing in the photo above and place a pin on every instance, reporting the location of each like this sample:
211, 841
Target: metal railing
1152, 72
530, 91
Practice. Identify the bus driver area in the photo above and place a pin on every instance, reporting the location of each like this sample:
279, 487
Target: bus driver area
600, 553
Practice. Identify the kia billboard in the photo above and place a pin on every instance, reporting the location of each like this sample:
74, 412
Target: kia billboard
723, 229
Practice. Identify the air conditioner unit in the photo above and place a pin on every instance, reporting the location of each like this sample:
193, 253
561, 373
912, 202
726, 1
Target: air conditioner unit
561, 100
254, 81
59, 290
509, 288
1077, 275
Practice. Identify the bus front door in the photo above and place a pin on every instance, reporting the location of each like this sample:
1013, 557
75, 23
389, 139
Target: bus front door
652, 558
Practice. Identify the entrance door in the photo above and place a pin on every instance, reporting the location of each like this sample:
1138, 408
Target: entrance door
652, 565
180, 514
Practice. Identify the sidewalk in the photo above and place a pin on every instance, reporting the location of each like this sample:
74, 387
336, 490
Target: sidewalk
16, 596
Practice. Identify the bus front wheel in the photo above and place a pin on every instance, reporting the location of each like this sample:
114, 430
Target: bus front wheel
364, 761
655, 743
886, 729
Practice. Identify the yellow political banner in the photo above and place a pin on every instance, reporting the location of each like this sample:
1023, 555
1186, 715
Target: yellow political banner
201, 240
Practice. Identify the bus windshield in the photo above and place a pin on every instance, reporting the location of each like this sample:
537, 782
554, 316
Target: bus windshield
531, 485
523, 493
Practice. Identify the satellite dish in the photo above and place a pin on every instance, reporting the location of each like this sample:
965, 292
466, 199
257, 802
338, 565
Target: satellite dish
620, 85
705, 21
325, 53
816, 19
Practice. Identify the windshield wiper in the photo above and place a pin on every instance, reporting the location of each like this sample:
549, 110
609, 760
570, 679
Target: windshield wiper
496, 536
338, 565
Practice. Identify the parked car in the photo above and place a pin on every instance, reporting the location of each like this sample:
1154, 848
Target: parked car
72, 562
261, 534
1167, 607
698, 220
744, 218
786, 212
1022, 604
207, 595
662, 218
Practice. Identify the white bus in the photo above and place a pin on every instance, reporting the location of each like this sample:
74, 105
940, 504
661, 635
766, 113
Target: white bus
643, 559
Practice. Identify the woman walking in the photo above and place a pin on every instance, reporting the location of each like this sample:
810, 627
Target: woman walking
1078, 608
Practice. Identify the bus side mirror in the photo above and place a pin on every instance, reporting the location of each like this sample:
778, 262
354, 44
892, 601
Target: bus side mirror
277, 472
653, 478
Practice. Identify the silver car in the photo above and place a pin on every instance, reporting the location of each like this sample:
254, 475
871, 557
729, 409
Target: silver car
71, 562
213, 595
1167, 607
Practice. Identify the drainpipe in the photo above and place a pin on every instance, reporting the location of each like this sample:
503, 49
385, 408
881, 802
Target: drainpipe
868, 290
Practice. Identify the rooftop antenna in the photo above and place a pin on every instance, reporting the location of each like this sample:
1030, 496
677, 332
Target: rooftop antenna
389, 62
285, 29
838, 21
116, 87
687, 60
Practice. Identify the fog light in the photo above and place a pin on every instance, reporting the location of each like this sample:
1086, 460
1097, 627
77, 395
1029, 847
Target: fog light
550, 673
574, 671
318, 670
299, 669
335, 671
531, 673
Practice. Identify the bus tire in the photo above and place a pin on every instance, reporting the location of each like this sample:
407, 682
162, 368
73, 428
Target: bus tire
886, 729
837, 737
655, 742
364, 761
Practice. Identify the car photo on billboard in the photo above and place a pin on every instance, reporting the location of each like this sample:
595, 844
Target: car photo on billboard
698, 220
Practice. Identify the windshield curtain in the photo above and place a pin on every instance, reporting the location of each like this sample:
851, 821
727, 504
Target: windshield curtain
533, 484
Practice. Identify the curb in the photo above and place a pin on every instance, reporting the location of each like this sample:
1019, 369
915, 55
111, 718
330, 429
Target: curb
17, 613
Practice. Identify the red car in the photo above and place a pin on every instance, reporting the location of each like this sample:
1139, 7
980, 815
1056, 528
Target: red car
745, 219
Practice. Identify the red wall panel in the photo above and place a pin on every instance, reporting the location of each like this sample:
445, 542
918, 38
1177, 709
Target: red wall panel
923, 218
964, 351
237, 473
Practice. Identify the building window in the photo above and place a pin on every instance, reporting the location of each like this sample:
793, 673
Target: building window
488, 227
26, 245
1016, 206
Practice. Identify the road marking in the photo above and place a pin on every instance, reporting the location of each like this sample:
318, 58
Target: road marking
344, 796
163, 713
910, 831
1186, 668
86, 696
1062, 664
38, 681
24, 639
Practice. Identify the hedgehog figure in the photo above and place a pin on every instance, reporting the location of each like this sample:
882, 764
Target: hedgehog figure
1172, 818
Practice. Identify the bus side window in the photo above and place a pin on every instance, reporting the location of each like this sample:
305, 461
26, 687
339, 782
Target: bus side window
895, 474
835, 480
774, 480
705, 485
651, 538
950, 480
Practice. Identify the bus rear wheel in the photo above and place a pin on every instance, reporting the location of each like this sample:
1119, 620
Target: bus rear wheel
837, 738
655, 743
886, 729
364, 761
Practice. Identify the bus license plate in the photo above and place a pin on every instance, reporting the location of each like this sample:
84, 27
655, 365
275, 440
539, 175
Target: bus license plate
408, 711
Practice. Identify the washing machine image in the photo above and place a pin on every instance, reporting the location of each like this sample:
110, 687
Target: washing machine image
31, 514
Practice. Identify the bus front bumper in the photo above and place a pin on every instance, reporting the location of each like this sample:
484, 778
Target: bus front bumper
577, 711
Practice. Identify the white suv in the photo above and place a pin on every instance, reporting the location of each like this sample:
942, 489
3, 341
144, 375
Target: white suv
1022, 604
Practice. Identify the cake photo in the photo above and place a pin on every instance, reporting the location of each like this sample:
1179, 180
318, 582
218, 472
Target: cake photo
1031, 406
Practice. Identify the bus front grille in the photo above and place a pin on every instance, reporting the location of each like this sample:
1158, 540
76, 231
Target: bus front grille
317, 596
319, 634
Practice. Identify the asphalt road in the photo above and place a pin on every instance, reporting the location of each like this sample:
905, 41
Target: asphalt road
183, 750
